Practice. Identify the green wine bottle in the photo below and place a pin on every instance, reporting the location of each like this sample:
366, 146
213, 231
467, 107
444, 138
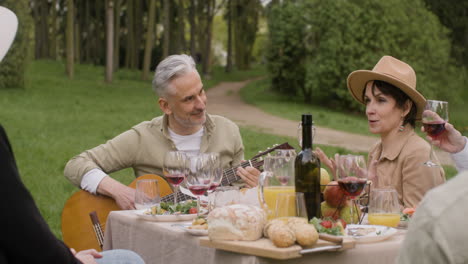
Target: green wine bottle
307, 170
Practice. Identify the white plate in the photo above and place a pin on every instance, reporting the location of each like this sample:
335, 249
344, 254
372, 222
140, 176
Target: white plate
193, 232
165, 218
379, 233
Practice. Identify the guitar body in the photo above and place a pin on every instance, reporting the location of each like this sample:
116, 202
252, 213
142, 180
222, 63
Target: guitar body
77, 228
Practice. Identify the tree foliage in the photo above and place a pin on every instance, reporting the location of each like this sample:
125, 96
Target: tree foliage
13, 66
315, 44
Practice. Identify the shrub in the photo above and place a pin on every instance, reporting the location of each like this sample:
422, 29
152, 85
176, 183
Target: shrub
330, 39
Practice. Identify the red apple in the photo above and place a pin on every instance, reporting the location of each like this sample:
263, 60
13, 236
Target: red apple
334, 195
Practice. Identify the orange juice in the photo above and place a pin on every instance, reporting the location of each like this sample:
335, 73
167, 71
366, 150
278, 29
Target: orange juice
386, 219
271, 194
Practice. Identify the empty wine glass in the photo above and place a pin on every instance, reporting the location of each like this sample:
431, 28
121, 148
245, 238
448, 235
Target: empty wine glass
216, 176
147, 194
199, 175
351, 171
175, 168
434, 117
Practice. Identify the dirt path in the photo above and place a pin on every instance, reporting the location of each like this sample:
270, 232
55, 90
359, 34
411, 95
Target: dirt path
224, 99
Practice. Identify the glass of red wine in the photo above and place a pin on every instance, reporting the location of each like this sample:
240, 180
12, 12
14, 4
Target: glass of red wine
199, 175
434, 117
351, 171
175, 167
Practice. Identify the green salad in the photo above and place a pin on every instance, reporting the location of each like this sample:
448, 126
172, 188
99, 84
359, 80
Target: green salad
171, 208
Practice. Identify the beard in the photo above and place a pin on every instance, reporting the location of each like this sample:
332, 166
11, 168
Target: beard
189, 121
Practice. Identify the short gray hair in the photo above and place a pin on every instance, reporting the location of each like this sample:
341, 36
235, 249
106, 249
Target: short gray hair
170, 68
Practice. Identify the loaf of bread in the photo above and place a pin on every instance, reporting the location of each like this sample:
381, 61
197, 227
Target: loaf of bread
285, 231
236, 222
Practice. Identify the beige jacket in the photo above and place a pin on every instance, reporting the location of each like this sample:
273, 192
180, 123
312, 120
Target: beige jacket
401, 167
142, 148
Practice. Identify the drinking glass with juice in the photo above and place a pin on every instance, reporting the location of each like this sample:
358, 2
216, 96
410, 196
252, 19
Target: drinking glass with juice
384, 208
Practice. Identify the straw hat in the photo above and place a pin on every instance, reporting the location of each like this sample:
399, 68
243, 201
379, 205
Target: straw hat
9, 25
392, 71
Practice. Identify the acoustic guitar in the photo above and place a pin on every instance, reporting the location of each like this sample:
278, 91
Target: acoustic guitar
84, 215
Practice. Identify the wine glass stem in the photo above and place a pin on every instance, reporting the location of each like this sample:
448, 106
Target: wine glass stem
198, 205
176, 190
351, 210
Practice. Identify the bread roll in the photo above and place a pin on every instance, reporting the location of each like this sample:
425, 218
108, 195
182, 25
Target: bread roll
236, 222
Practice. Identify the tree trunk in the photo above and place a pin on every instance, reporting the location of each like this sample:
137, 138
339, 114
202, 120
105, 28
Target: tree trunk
167, 29
77, 48
209, 29
110, 40
149, 39
138, 28
130, 33
117, 8
183, 44
69, 38
229, 38
53, 30
192, 28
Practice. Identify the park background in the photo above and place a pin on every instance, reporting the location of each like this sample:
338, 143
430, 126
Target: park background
79, 72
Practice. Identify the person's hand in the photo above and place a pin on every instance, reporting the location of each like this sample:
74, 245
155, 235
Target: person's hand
123, 195
86, 256
249, 174
328, 162
451, 140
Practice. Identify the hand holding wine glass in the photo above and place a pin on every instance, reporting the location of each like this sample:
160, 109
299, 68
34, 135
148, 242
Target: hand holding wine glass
434, 117
175, 168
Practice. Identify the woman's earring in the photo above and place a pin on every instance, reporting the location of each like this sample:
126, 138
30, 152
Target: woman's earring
401, 128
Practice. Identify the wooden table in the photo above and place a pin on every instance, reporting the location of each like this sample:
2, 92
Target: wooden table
159, 242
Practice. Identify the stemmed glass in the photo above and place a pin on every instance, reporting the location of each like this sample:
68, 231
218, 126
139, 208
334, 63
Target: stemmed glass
216, 176
199, 176
175, 168
351, 171
434, 117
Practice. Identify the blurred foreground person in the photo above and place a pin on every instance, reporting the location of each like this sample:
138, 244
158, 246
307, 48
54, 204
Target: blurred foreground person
25, 236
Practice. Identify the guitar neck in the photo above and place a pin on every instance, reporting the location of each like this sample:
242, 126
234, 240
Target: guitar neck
229, 176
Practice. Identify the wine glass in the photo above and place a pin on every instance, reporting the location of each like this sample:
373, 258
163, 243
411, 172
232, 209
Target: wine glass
351, 171
284, 171
434, 117
384, 208
175, 168
216, 176
147, 194
199, 175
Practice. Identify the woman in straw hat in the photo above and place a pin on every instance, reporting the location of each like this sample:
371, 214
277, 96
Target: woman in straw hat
26, 238
393, 105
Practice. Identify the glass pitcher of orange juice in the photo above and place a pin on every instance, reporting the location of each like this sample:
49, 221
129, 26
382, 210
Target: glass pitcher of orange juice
277, 177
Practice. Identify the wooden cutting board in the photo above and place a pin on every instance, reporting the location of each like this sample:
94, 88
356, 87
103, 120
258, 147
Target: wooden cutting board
265, 248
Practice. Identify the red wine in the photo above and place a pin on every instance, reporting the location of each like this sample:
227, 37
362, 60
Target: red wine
307, 170
434, 130
352, 187
213, 186
283, 179
175, 179
198, 189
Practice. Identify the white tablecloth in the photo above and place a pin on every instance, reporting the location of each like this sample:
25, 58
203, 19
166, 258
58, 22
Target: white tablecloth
159, 242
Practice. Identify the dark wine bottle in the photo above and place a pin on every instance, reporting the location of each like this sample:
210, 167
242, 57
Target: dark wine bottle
307, 170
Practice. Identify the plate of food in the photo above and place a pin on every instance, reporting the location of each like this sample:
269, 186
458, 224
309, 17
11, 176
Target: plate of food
199, 227
369, 233
168, 212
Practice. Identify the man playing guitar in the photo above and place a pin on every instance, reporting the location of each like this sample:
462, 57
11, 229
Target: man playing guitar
184, 126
